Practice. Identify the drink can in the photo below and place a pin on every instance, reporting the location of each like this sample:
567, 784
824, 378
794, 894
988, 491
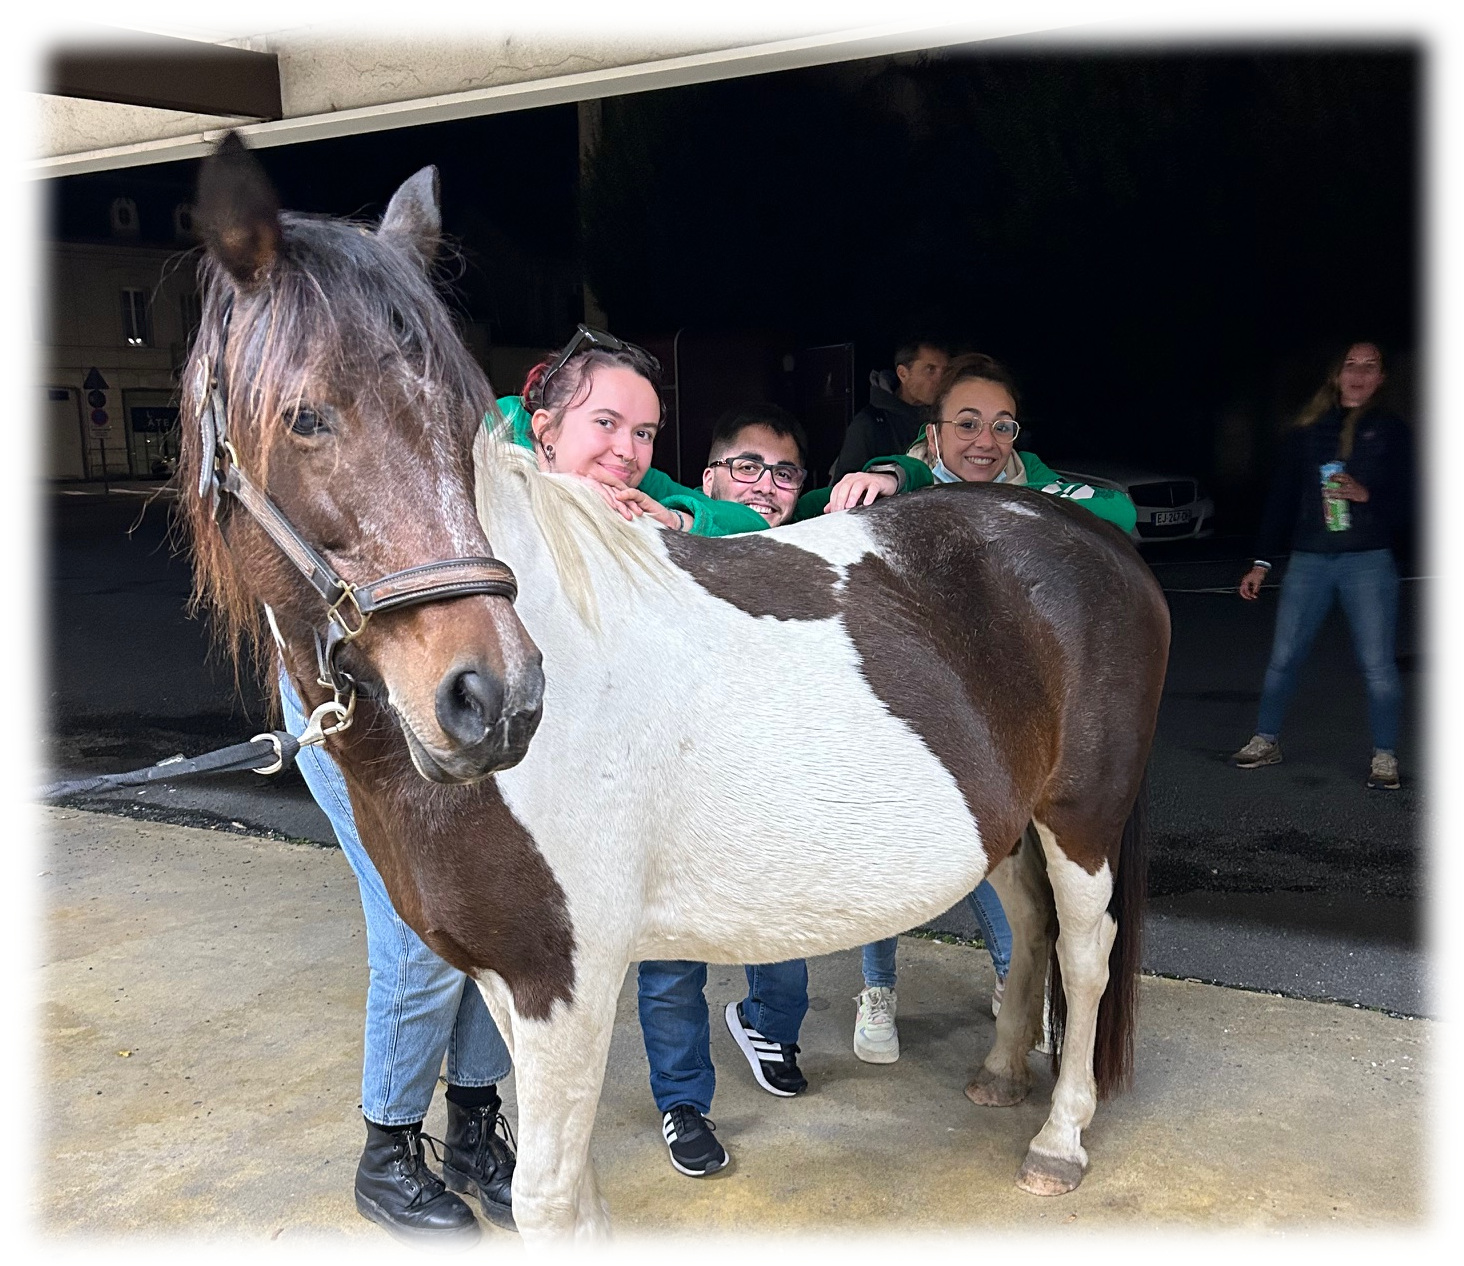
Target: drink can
1336, 513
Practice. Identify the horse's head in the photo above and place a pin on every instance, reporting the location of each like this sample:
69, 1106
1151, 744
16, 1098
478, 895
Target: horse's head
347, 399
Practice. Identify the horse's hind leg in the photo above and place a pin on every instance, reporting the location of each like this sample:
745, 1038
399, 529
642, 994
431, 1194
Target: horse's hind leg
1021, 882
1056, 1158
559, 1068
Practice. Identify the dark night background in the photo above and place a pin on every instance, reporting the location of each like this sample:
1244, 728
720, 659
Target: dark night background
1165, 246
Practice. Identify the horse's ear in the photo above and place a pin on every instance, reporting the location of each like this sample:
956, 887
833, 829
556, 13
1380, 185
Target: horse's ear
412, 218
238, 211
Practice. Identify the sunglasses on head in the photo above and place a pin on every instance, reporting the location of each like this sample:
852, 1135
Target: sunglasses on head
584, 337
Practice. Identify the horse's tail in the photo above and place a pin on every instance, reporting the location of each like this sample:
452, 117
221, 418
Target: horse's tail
1113, 1047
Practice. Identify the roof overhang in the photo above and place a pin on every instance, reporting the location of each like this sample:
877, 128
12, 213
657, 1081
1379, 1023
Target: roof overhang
123, 98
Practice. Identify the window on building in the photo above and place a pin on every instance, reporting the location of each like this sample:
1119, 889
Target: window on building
136, 319
123, 217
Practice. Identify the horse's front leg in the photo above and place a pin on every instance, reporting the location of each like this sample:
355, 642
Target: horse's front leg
559, 1068
1020, 881
1056, 1158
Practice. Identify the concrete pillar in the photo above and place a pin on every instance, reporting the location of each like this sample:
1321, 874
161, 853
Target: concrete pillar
589, 139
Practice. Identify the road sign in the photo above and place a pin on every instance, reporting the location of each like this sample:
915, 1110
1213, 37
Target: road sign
94, 380
101, 422
97, 399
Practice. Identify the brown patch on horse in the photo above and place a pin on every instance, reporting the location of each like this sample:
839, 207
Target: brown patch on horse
758, 575
949, 641
460, 869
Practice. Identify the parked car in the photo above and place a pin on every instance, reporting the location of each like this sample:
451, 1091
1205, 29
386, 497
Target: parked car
1170, 507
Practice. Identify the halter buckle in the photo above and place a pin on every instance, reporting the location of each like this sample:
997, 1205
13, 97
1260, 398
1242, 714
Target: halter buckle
333, 613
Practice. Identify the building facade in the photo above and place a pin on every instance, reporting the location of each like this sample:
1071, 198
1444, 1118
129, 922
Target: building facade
120, 308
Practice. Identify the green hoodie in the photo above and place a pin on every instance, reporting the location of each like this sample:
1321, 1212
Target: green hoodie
1111, 504
709, 517
727, 518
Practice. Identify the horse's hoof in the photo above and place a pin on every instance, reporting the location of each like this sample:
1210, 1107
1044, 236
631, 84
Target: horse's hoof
1043, 1175
991, 1090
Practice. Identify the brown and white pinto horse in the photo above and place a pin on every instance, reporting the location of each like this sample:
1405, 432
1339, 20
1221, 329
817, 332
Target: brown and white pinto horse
553, 788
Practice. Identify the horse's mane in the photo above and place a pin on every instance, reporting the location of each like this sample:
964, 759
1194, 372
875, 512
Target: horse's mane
337, 297
578, 527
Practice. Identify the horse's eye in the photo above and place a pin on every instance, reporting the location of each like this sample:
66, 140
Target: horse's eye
307, 422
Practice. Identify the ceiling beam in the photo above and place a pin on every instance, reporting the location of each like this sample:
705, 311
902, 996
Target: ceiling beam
608, 81
169, 74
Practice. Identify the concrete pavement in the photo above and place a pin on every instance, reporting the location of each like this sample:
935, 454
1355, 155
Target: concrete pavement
200, 1064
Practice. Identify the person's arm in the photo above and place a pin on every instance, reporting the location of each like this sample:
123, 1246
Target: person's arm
705, 516
1392, 482
907, 473
910, 472
1278, 520
1110, 504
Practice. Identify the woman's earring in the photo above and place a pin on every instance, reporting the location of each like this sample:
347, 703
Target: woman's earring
549, 453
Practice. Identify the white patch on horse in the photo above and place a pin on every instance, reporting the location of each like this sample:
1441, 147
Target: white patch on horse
849, 826
274, 628
1026, 511
1084, 940
839, 539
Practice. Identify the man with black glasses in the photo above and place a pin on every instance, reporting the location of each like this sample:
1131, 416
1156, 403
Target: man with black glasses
757, 459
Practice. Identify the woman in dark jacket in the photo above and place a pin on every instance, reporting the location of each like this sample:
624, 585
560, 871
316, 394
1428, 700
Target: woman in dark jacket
1341, 490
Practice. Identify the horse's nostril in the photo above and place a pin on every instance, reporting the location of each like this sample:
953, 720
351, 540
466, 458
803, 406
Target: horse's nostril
469, 704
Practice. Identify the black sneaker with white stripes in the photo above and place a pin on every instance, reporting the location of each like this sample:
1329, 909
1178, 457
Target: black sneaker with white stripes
774, 1064
694, 1150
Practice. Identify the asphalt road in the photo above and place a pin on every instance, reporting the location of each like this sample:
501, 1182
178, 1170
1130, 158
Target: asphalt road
1294, 879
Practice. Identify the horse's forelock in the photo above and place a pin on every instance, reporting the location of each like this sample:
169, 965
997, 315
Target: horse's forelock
339, 302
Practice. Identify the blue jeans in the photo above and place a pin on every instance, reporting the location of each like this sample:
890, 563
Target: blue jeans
677, 1028
996, 933
417, 1006
1367, 583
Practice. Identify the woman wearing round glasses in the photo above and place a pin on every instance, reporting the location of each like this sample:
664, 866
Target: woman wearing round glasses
972, 440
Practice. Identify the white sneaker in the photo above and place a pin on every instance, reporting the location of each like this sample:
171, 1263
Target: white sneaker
876, 1040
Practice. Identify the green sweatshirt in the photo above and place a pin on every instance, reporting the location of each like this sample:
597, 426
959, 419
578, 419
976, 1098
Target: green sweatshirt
709, 517
727, 518
1111, 504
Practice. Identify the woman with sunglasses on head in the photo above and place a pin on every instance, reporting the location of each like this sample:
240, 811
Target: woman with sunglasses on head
972, 440
593, 410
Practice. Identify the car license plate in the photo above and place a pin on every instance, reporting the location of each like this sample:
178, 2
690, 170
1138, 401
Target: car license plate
1162, 517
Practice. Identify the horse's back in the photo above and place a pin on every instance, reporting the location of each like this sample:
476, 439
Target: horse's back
1048, 616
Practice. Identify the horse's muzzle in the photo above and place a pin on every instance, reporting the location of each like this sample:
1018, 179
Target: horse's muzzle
487, 726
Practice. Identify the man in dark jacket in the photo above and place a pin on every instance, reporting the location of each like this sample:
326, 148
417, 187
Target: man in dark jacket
892, 419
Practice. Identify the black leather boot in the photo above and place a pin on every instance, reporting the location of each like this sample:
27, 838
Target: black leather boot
395, 1189
480, 1159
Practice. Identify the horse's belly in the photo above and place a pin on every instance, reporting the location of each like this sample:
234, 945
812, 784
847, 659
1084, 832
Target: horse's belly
780, 857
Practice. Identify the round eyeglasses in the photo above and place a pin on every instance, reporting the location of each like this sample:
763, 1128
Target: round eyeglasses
748, 470
1003, 430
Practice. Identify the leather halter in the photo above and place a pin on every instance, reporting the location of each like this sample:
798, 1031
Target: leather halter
348, 607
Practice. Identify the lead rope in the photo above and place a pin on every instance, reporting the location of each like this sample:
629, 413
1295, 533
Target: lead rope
267, 753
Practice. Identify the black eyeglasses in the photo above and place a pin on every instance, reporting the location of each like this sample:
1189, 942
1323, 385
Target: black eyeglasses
583, 337
748, 470
1004, 430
